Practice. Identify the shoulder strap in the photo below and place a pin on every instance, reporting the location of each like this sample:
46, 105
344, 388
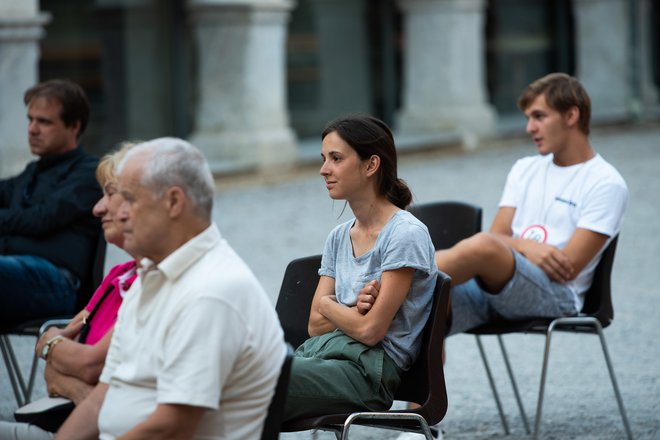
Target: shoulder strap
84, 331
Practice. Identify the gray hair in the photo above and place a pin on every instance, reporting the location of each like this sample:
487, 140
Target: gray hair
175, 162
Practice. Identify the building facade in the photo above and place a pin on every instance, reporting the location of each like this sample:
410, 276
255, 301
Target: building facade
249, 81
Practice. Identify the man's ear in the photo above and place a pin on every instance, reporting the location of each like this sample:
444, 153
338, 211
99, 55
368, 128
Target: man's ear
175, 201
373, 164
75, 127
572, 116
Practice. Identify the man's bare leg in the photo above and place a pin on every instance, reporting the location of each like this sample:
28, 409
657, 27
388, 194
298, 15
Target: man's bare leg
483, 255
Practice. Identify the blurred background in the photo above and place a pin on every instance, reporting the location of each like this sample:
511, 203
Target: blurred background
251, 82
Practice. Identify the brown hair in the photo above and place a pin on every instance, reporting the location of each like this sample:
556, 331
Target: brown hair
72, 97
370, 136
562, 92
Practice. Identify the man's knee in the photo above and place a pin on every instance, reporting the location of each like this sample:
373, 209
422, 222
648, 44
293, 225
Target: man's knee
482, 247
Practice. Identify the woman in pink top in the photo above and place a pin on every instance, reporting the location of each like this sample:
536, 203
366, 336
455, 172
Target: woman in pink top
76, 354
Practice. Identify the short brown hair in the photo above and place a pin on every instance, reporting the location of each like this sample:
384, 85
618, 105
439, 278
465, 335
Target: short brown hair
72, 97
561, 92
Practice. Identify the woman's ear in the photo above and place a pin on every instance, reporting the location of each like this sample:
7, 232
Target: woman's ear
373, 164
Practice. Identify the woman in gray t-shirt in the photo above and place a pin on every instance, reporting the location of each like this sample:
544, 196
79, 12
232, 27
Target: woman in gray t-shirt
378, 274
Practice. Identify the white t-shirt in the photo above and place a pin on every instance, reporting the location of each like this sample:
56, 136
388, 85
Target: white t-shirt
196, 330
552, 202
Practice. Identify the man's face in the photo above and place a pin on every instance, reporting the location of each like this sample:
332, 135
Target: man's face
47, 134
547, 127
144, 217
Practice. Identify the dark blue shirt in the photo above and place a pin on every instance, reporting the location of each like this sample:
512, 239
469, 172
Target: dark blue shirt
46, 211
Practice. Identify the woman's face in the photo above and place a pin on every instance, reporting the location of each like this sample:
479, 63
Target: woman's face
106, 209
343, 170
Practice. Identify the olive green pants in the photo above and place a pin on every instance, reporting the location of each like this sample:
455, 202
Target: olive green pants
334, 373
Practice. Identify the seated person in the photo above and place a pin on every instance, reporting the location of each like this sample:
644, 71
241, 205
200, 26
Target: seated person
47, 209
558, 212
75, 355
361, 344
197, 346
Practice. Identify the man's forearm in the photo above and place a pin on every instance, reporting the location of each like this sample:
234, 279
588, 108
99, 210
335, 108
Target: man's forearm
69, 387
82, 424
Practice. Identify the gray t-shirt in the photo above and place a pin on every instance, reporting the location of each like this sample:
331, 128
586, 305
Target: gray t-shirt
403, 242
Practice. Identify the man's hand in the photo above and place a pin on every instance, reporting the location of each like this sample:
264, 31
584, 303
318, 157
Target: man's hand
367, 296
553, 261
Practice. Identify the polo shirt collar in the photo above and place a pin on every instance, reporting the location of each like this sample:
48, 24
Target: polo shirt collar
186, 255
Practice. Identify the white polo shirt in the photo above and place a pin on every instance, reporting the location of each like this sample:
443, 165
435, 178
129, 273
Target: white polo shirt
197, 329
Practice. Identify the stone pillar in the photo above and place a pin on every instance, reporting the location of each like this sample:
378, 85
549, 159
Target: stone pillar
647, 88
444, 81
21, 27
344, 69
603, 56
241, 116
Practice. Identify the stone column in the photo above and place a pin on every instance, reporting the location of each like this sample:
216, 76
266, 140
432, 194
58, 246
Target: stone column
444, 82
647, 88
21, 27
344, 69
240, 116
602, 56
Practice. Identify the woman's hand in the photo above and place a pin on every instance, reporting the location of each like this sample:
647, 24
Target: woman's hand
70, 331
367, 296
371, 326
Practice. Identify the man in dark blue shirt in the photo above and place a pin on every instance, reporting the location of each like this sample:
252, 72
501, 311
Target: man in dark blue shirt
48, 234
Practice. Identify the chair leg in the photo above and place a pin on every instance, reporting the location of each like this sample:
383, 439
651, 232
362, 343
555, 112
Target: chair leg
544, 371
33, 375
13, 371
496, 395
599, 330
514, 384
610, 369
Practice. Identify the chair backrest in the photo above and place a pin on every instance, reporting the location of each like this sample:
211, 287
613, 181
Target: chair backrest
448, 222
275, 414
295, 299
424, 382
94, 276
598, 299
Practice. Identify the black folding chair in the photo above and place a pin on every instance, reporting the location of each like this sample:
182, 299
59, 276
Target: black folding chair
273, 422
448, 222
423, 384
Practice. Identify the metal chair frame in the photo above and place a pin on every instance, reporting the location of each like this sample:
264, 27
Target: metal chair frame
597, 314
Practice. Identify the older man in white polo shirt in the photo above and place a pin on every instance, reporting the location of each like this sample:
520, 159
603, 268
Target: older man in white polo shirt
197, 345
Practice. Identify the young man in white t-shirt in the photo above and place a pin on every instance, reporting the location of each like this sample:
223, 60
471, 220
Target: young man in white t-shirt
558, 212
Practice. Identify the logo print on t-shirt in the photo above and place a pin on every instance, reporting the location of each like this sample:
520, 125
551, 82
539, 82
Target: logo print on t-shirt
536, 233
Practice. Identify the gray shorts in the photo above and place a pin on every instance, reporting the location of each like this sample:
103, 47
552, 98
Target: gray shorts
528, 294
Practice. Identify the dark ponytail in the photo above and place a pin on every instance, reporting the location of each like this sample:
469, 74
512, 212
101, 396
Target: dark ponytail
370, 136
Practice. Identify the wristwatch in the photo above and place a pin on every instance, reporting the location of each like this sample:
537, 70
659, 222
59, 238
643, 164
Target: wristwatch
48, 345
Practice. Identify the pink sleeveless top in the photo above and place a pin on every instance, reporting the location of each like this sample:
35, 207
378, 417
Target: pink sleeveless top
104, 318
